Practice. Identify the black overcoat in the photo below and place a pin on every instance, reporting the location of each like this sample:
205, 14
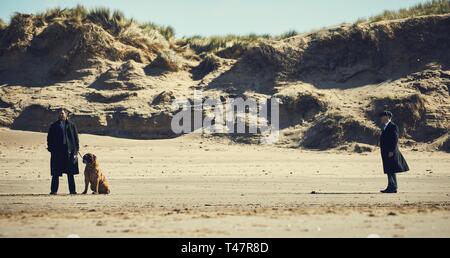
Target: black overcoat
389, 143
64, 157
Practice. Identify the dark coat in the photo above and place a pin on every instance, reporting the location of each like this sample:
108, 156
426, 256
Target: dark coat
64, 157
389, 143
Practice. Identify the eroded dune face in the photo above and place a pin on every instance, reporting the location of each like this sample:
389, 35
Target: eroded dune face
332, 82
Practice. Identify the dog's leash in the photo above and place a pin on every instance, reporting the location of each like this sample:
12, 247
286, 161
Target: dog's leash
81, 156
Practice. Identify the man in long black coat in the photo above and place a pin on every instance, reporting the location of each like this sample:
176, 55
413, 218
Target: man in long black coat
393, 160
63, 144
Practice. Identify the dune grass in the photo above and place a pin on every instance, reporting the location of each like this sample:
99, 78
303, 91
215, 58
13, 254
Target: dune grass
167, 31
214, 43
202, 44
139, 34
113, 21
433, 7
78, 13
149, 34
211, 44
288, 34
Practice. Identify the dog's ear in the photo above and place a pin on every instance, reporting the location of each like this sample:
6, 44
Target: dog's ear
94, 159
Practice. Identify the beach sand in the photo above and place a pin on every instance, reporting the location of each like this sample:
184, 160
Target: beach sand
197, 187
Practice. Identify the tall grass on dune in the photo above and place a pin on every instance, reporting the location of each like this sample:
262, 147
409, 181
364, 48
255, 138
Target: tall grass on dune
78, 13
202, 44
167, 31
149, 39
434, 7
112, 21
288, 34
214, 43
142, 35
155, 37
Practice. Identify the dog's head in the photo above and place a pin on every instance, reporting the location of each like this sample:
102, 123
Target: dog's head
89, 159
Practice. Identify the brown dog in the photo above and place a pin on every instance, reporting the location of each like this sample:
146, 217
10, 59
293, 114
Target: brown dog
94, 176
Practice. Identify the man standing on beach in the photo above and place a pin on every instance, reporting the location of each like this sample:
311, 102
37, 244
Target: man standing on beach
63, 144
393, 160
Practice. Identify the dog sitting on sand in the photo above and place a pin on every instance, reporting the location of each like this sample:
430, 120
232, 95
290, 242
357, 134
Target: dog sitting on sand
94, 176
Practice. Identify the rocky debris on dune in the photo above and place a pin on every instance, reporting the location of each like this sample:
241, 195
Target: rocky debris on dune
357, 148
165, 97
417, 116
102, 97
4, 104
430, 82
128, 76
409, 110
302, 106
333, 129
209, 64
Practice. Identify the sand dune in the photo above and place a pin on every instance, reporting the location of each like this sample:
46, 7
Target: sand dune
333, 82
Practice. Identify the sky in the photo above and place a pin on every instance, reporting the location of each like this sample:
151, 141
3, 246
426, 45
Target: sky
220, 17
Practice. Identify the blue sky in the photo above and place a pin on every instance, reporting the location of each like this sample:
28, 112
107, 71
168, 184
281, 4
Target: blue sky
219, 17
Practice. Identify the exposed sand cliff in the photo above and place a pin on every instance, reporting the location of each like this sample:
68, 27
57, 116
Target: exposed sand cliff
332, 82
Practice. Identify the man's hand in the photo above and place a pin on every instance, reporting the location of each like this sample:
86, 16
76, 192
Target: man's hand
391, 154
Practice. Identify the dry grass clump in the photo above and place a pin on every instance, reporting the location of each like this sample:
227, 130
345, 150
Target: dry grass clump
288, 34
167, 32
214, 44
78, 13
144, 39
433, 7
165, 62
112, 21
210, 63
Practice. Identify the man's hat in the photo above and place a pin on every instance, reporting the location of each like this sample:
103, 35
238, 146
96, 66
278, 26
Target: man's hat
386, 113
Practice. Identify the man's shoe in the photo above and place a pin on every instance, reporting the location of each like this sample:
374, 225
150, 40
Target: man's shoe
52, 193
388, 191
73, 193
